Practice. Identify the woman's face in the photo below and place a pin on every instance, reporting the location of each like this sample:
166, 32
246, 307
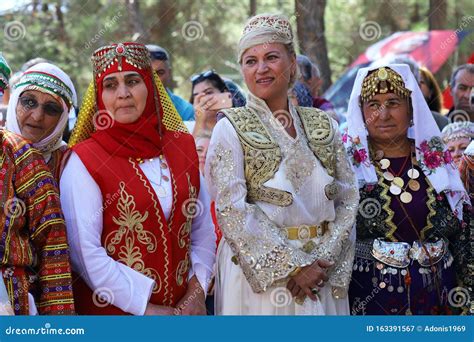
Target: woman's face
457, 148
267, 70
124, 95
204, 88
37, 114
386, 117
202, 144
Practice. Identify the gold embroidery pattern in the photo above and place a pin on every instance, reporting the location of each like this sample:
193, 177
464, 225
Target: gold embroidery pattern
320, 133
185, 228
160, 226
182, 270
388, 200
131, 232
337, 246
299, 166
386, 206
432, 212
222, 165
262, 157
264, 255
299, 159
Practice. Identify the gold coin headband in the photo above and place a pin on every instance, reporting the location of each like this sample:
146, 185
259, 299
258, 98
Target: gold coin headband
381, 81
115, 55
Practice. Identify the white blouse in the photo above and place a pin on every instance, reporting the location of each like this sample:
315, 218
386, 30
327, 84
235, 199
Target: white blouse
125, 288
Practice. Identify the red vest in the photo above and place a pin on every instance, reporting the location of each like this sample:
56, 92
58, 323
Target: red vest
135, 231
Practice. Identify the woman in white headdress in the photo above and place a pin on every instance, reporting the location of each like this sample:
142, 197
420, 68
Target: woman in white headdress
39, 108
412, 242
285, 194
457, 136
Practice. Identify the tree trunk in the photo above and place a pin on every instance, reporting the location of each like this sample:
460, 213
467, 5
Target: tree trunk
312, 41
437, 14
35, 4
437, 20
136, 21
253, 8
165, 22
62, 36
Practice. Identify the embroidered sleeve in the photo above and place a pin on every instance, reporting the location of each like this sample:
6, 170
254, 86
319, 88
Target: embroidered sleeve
338, 245
39, 193
259, 245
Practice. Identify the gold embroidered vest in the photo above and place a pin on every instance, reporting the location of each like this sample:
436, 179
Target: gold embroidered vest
262, 155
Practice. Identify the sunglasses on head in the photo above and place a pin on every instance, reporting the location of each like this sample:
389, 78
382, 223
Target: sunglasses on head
49, 108
203, 75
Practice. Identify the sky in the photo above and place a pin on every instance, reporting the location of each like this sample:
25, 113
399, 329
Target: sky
6, 5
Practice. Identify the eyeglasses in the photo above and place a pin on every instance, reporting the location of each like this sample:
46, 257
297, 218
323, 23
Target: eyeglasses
49, 108
159, 55
203, 75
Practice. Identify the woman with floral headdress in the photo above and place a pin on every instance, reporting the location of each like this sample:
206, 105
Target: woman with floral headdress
457, 136
411, 240
466, 168
35, 274
39, 108
142, 240
284, 191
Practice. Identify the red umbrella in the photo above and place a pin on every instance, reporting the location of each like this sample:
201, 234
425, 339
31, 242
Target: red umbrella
430, 49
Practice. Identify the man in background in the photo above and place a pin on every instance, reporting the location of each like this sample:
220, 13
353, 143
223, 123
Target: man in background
161, 63
462, 84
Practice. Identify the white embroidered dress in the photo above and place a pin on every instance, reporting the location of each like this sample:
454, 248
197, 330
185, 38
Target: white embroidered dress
254, 230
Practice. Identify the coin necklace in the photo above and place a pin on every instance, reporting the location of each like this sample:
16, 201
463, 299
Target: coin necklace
397, 184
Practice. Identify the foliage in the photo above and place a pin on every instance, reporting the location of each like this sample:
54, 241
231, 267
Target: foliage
90, 24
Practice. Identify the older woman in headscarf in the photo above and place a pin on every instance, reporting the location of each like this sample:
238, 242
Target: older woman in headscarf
5, 73
39, 108
410, 256
457, 136
285, 194
35, 274
141, 235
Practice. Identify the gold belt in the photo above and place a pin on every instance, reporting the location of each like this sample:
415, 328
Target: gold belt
305, 232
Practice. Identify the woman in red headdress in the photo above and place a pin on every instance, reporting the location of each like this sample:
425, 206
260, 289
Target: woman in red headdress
139, 222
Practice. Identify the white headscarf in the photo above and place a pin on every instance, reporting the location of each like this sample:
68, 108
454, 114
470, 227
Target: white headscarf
265, 29
54, 140
444, 178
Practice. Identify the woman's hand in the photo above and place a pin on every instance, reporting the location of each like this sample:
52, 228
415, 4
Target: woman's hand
204, 102
205, 117
310, 277
194, 301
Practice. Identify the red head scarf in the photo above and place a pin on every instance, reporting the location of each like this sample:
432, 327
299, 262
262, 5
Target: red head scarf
142, 138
